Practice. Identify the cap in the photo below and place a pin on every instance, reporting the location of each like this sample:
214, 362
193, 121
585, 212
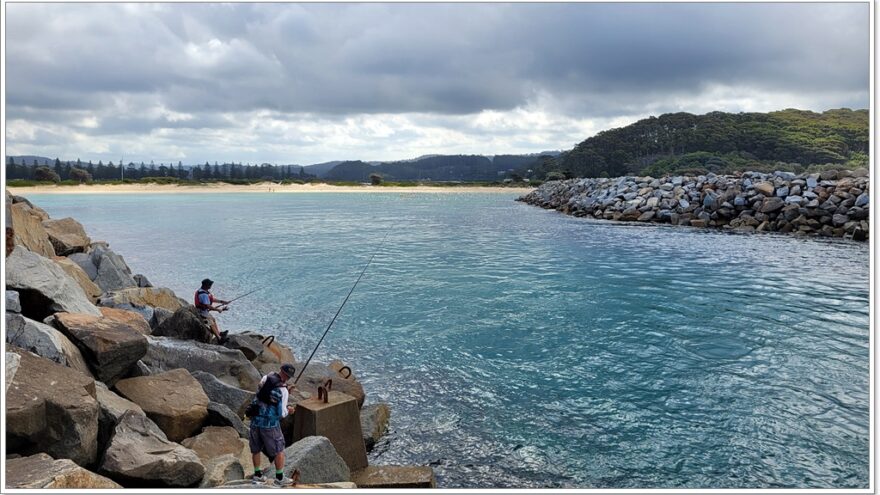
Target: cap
288, 369
207, 281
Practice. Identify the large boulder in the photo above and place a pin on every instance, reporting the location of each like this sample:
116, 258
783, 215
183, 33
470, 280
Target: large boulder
174, 400
317, 461
112, 407
250, 345
84, 261
77, 273
139, 454
213, 442
228, 365
44, 287
12, 362
29, 232
41, 472
185, 324
232, 397
67, 236
113, 273
51, 408
374, 422
13, 303
45, 341
154, 297
220, 415
110, 343
272, 351
221, 470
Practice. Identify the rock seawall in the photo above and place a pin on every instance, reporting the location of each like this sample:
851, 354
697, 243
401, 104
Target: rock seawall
831, 204
142, 387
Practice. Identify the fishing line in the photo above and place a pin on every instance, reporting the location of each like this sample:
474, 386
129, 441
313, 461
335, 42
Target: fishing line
342, 305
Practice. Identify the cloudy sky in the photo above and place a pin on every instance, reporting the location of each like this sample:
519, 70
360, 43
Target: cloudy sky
305, 83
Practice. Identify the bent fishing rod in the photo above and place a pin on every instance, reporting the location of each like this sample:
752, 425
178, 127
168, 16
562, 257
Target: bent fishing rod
341, 306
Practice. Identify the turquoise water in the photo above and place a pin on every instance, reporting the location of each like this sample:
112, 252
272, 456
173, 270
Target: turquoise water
518, 347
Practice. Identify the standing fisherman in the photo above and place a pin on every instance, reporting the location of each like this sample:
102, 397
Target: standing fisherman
266, 411
204, 302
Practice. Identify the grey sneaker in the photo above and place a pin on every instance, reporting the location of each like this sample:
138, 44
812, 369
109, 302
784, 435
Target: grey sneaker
285, 481
258, 479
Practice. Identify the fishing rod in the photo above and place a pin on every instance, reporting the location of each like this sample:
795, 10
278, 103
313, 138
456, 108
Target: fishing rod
341, 306
245, 294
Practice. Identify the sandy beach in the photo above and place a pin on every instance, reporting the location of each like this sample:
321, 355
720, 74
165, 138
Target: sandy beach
265, 187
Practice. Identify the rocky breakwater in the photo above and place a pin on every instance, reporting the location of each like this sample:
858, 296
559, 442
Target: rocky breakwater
831, 204
109, 382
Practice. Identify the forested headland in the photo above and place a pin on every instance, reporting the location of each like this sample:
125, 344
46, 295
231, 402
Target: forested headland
722, 143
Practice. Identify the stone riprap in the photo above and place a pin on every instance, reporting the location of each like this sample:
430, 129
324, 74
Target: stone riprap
831, 204
110, 382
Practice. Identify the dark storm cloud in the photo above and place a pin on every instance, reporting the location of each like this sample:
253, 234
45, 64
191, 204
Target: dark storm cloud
136, 68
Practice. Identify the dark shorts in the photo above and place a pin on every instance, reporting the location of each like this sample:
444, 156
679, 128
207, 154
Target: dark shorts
269, 441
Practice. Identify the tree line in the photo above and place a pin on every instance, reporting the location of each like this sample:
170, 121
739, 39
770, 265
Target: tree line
80, 171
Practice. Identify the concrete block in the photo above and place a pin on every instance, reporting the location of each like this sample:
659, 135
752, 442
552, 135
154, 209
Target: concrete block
338, 419
394, 477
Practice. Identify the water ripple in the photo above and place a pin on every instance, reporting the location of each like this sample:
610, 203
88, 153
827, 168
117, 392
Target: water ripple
518, 347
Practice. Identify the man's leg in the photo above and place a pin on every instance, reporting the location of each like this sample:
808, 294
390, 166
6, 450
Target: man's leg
255, 443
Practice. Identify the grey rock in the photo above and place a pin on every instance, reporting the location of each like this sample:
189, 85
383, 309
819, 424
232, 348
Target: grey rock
41, 471
683, 203
44, 341
113, 273
812, 204
85, 262
13, 303
111, 408
813, 181
374, 422
12, 362
784, 175
140, 454
159, 316
232, 397
828, 175
740, 201
862, 200
44, 287
220, 415
142, 281
184, 324
794, 200
856, 213
772, 204
250, 345
782, 191
221, 470
839, 220
228, 365
317, 461
810, 195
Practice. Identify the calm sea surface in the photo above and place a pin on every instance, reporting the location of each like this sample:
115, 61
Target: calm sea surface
518, 347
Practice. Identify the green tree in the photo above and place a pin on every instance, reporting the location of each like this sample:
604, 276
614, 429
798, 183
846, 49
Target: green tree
46, 174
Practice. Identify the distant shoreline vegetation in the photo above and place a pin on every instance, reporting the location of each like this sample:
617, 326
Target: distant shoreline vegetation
250, 182
790, 140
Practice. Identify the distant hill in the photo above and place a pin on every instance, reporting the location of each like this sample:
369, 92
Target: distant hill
720, 142
321, 169
434, 168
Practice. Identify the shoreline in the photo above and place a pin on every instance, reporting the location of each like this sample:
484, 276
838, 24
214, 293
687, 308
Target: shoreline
264, 187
